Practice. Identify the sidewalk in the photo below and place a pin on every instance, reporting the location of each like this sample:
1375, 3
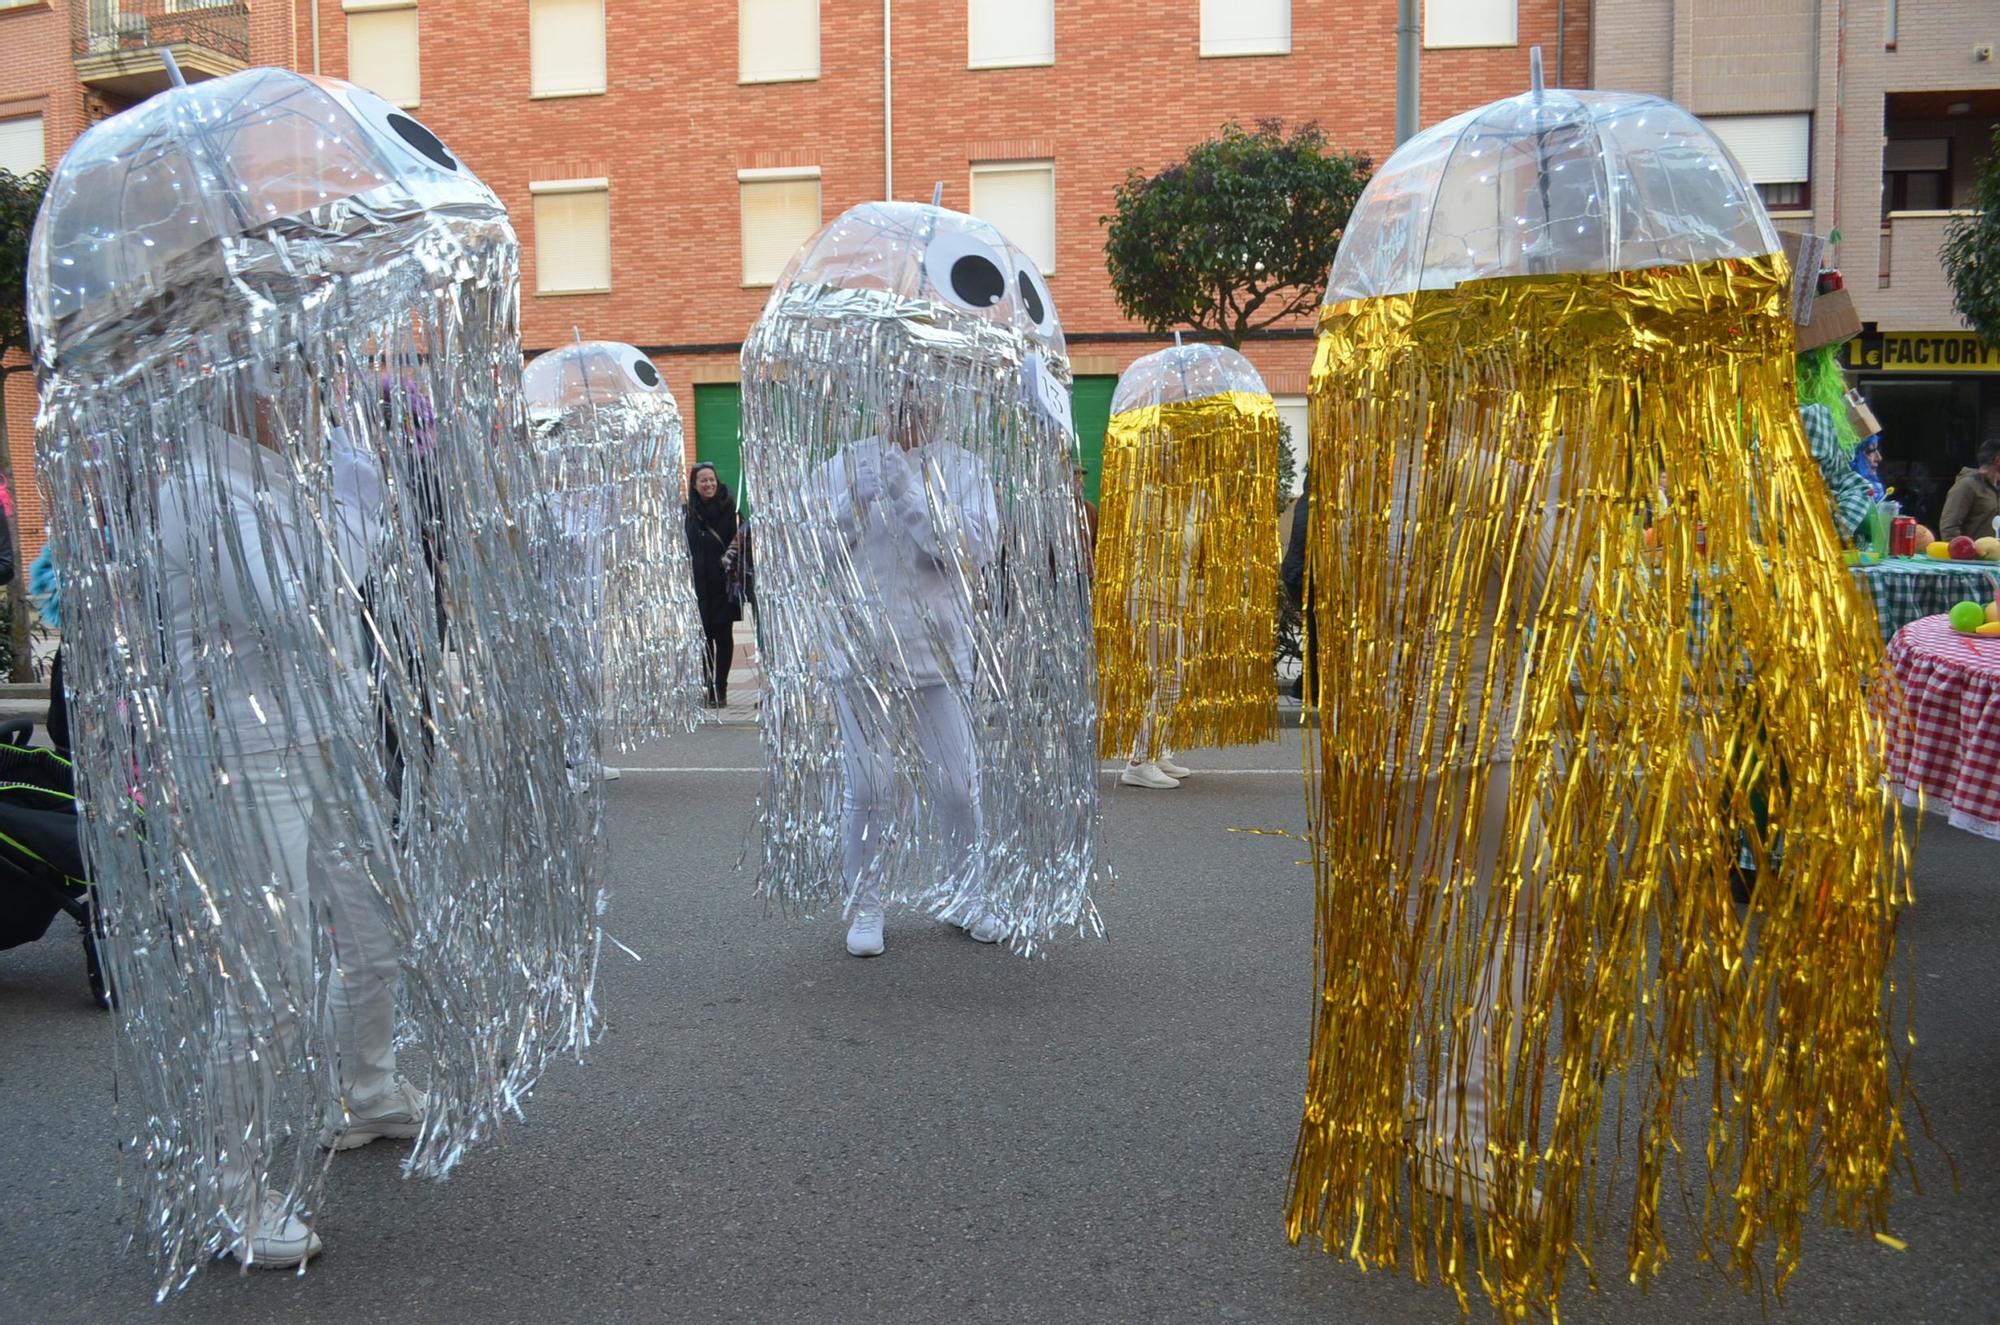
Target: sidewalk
746, 680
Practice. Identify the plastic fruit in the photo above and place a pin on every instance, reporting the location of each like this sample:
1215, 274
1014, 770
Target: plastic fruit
1963, 549
1989, 628
1922, 537
1938, 551
1989, 548
1967, 617
1993, 611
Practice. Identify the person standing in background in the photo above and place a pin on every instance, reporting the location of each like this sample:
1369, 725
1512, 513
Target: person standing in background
1973, 502
710, 520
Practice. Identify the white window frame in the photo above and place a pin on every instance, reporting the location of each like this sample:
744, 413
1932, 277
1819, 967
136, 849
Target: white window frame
1283, 47
1055, 216
786, 76
1436, 41
1004, 7
543, 188
604, 86
349, 7
770, 175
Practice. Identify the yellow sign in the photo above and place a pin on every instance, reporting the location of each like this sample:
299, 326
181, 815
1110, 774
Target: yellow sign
1925, 352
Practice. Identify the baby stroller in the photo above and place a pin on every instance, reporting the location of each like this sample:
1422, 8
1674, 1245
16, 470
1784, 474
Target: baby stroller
41, 861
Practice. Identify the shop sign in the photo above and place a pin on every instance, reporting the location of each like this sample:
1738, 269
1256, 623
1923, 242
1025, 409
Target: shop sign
1923, 352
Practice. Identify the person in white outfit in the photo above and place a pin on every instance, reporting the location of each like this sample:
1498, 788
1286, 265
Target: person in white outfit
1162, 622
917, 515
316, 853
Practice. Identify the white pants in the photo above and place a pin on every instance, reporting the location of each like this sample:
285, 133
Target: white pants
317, 869
949, 776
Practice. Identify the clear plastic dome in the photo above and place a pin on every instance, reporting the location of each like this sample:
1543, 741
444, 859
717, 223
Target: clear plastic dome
1185, 372
145, 201
916, 251
594, 374
1546, 182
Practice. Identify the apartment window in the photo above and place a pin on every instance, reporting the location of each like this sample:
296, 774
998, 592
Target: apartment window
1003, 33
1471, 23
777, 41
780, 213
1916, 175
572, 236
21, 147
382, 49
565, 48
1020, 198
1246, 27
1775, 152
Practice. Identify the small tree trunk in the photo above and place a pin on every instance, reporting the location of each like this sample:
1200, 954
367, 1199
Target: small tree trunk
17, 595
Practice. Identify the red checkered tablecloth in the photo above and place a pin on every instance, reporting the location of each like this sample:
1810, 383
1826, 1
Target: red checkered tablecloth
1946, 739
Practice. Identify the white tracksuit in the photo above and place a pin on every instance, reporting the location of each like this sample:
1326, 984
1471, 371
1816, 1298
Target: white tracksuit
918, 527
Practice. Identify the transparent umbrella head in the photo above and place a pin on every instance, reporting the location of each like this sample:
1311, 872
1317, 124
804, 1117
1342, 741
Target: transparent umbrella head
1548, 182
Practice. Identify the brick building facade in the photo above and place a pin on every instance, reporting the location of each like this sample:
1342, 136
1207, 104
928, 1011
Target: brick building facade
678, 133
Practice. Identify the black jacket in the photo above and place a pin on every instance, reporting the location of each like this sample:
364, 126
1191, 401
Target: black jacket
711, 530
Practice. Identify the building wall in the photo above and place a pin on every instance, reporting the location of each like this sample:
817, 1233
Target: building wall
1747, 57
1633, 47
1128, 90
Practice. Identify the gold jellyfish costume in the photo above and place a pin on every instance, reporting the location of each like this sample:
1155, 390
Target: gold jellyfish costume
1557, 333
1187, 556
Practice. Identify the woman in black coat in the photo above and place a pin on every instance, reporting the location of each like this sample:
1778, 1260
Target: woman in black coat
710, 519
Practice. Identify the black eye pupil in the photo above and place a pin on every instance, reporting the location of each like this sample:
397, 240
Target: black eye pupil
645, 372
977, 282
1031, 298
426, 142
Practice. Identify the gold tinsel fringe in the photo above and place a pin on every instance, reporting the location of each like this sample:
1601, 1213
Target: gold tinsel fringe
1187, 560
1493, 468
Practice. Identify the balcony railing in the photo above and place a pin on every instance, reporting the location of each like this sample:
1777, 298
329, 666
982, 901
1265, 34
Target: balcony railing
1912, 292
108, 27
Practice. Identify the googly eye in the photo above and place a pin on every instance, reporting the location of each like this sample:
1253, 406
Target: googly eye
966, 272
388, 122
642, 371
1033, 293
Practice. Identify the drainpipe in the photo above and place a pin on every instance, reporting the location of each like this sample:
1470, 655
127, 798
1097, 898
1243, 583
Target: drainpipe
315, 23
1562, 31
888, 113
1406, 71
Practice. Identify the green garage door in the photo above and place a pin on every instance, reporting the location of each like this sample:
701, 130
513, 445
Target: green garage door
1090, 406
718, 427
718, 431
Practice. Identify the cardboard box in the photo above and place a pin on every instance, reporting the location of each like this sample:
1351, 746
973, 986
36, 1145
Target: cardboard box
1834, 319
1864, 420
1806, 254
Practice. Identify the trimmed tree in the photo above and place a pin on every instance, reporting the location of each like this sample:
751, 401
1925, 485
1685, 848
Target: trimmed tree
1237, 236
1972, 252
20, 199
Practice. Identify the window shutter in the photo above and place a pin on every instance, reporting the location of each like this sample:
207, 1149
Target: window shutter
22, 148
382, 54
1010, 32
1246, 27
1021, 201
779, 216
777, 40
1772, 149
565, 47
1471, 23
572, 238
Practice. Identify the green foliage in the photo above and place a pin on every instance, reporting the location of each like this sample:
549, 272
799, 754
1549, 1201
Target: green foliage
20, 199
1239, 235
1972, 252
1287, 466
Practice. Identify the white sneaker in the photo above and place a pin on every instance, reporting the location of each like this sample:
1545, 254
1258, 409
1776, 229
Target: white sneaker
1173, 769
397, 1115
608, 773
864, 935
275, 1238
1147, 775
985, 928
1465, 1178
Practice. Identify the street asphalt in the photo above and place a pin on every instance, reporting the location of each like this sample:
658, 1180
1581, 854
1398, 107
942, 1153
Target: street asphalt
773, 1131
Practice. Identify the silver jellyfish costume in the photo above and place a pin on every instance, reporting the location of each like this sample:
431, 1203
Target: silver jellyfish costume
282, 442
931, 721
607, 437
